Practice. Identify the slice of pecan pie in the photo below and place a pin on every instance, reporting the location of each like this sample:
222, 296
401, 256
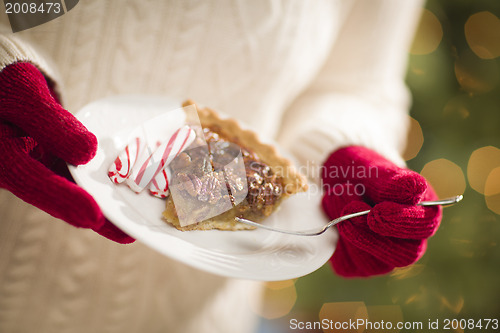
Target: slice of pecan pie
210, 185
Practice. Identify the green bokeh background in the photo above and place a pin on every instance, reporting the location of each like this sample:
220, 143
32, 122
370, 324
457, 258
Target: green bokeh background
459, 276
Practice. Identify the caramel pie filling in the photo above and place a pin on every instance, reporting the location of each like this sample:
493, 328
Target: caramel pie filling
206, 179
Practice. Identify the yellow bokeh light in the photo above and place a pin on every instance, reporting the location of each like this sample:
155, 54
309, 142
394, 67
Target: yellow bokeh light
445, 176
276, 285
482, 31
481, 162
493, 203
492, 190
276, 302
343, 312
492, 185
429, 34
415, 140
475, 75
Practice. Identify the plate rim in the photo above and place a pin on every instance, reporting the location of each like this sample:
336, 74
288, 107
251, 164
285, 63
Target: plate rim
191, 250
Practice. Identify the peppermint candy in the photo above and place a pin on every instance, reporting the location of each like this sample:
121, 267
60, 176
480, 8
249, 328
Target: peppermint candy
159, 184
120, 170
138, 169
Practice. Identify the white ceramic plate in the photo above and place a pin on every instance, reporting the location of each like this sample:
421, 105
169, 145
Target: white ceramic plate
253, 254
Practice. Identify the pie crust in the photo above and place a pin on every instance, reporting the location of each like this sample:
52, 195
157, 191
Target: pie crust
282, 170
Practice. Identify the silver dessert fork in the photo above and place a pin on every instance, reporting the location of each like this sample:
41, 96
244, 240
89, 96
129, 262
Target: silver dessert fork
319, 230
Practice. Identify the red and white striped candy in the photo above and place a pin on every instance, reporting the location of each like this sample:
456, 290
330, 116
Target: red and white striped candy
122, 166
159, 184
143, 173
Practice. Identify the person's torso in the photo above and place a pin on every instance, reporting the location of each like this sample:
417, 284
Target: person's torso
249, 59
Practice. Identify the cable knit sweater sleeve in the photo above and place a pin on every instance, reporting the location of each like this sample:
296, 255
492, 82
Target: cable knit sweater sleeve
359, 96
13, 49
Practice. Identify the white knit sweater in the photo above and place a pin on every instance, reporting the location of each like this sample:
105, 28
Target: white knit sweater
316, 75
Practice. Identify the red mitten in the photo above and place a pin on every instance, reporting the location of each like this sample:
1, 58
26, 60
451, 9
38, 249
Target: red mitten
395, 232
36, 136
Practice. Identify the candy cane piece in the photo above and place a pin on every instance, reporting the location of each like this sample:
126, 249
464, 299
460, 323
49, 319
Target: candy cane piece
159, 184
120, 169
143, 173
